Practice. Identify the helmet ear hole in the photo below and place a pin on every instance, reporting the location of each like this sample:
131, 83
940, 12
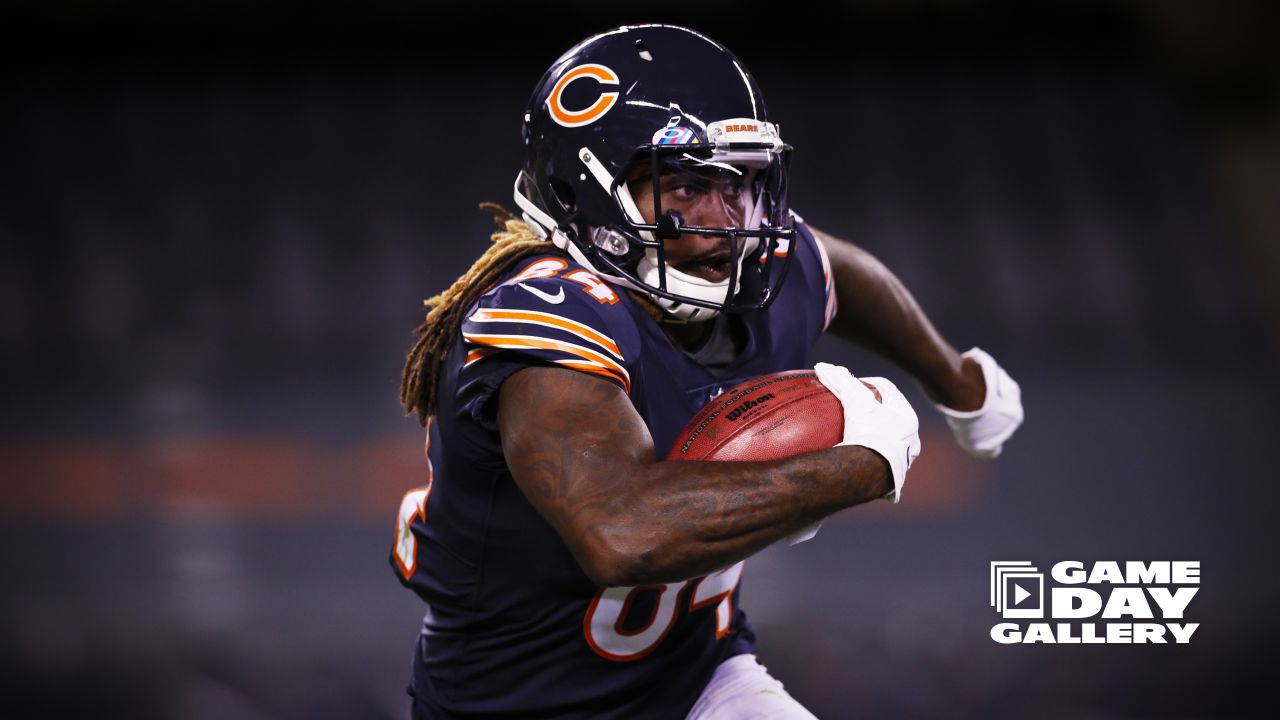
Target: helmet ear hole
644, 51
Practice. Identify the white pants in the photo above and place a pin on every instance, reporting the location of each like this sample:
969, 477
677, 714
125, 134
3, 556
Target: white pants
742, 689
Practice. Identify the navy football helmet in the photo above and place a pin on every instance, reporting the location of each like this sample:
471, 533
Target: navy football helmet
641, 101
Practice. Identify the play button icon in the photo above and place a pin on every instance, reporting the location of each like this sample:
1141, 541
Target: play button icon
1017, 589
1024, 595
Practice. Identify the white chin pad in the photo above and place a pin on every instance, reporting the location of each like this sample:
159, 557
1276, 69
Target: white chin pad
680, 283
691, 286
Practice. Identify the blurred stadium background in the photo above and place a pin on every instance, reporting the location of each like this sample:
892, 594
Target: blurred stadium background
219, 221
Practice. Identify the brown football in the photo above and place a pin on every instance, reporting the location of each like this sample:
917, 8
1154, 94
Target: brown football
765, 418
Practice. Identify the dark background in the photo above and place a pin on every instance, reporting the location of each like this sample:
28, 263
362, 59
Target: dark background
219, 220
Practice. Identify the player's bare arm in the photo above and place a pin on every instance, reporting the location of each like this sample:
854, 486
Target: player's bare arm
585, 460
879, 313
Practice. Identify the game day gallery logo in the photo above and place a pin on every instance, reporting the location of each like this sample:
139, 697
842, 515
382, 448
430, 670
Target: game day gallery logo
1101, 602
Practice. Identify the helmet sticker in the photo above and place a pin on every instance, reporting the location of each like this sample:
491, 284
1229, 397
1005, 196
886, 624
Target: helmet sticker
675, 136
577, 118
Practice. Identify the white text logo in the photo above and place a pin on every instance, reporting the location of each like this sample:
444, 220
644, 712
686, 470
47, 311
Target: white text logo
1130, 592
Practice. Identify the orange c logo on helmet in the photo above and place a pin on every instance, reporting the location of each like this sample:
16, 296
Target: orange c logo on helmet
597, 109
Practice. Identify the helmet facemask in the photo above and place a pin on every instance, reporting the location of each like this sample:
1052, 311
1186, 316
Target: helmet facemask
631, 250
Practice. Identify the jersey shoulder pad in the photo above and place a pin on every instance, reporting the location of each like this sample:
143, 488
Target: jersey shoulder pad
550, 310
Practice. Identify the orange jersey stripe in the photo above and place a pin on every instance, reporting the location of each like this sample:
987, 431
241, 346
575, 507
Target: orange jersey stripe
586, 332
828, 282
590, 368
479, 354
584, 365
517, 342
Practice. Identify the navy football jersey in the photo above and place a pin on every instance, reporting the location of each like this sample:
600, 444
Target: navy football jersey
513, 627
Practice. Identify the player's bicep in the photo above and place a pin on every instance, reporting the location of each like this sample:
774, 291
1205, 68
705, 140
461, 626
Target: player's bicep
573, 443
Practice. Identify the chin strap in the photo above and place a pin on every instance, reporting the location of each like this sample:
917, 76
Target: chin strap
545, 227
542, 224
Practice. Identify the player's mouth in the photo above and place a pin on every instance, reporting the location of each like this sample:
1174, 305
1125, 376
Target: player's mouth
713, 267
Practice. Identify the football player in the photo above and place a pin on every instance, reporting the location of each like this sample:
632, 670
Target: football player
568, 572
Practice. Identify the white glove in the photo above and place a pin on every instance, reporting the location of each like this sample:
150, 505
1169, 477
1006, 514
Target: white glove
889, 427
983, 432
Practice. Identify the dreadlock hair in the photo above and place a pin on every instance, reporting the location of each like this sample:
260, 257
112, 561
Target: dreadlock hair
513, 241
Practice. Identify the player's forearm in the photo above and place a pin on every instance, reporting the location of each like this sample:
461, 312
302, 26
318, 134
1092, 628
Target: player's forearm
592, 472
878, 312
693, 518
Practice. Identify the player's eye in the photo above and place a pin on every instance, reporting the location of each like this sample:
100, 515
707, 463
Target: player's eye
686, 188
688, 191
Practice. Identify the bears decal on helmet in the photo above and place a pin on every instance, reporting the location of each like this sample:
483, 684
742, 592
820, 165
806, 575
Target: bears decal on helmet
588, 115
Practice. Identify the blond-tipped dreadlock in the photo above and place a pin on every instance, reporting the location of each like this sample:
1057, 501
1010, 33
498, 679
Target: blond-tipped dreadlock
513, 241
